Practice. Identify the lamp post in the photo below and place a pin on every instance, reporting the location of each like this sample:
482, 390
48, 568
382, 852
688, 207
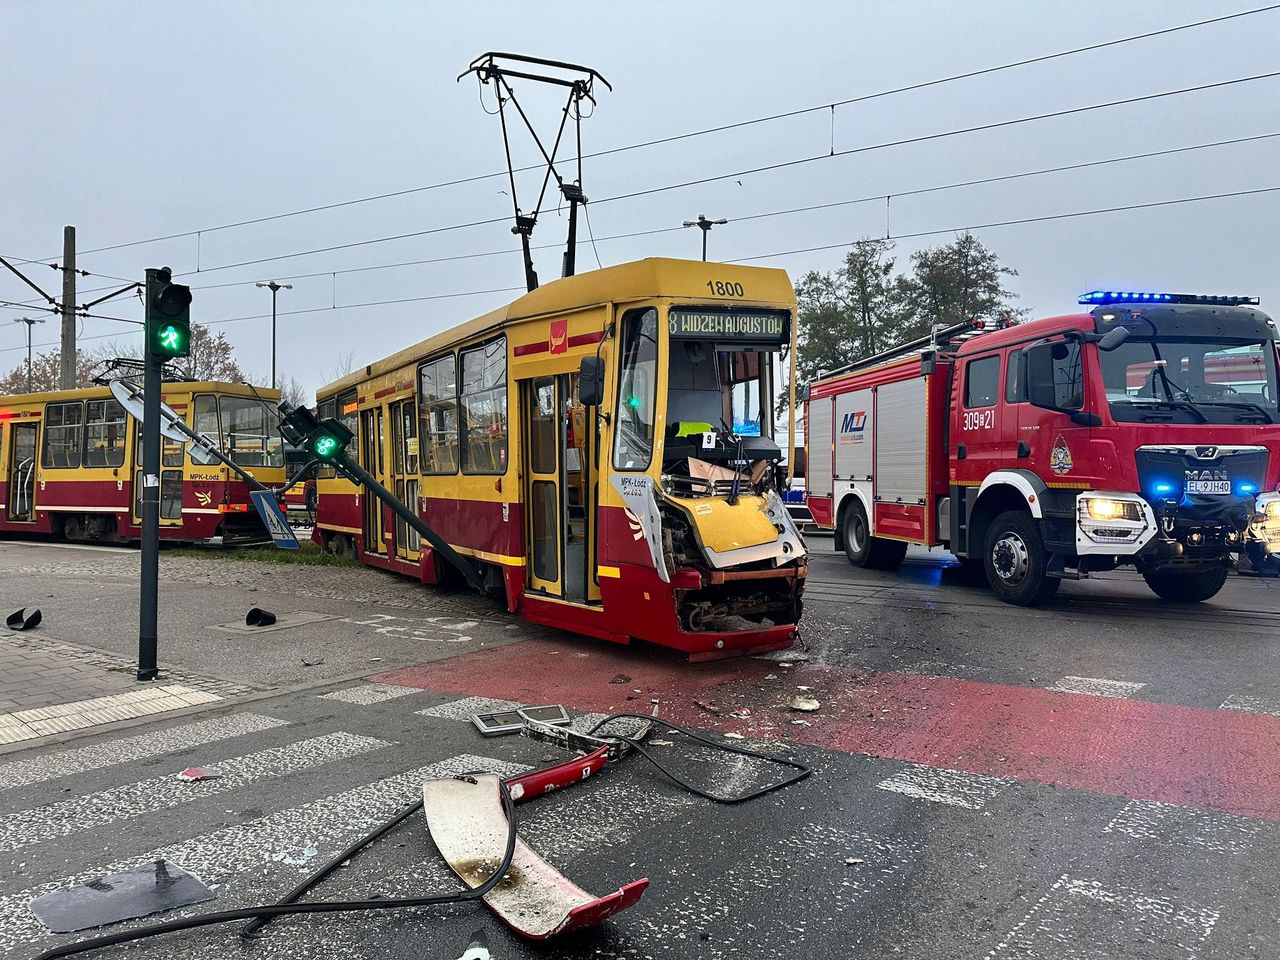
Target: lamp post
30, 322
705, 225
274, 288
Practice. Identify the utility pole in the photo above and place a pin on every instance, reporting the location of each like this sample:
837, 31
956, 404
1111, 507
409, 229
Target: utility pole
67, 378
274, 288
705, 225
30, 322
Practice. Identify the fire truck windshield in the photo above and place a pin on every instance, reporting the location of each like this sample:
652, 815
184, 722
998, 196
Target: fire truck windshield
1176, 380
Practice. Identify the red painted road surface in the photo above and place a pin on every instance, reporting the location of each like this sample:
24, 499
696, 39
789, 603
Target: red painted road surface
1217, 760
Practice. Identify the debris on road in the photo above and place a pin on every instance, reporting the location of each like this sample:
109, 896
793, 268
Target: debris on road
134, 893
710, 708
257, 617
734, 736
312, 663
806, 704
621, 678
18, 620
196, 774
478, 948
854, 860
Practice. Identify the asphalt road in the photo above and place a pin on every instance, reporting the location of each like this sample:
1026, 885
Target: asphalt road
1097, 778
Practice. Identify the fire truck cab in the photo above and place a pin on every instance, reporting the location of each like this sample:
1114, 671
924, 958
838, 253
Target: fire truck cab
1145, 431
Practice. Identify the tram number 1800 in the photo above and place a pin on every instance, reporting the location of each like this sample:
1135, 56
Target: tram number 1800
722, 288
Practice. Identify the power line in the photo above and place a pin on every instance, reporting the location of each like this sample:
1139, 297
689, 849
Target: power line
1025, 220
768, 256
710, 130
923, 138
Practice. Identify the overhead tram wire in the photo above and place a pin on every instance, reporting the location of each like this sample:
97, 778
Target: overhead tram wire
921, 85
1084, 165
1011, 223
784, 253
850, 151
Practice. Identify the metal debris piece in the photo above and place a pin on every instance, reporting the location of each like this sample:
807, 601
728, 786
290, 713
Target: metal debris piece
621, 678
196, 774
734, 736
854, 860
807, 704
709, 708
771, 676
312, 663
257, 617
18, 620
120, 896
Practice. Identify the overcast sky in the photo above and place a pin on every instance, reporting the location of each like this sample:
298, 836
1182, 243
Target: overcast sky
133, 120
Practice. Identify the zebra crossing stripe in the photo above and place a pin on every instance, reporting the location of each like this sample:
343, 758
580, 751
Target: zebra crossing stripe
245, 856
65, 763
27, 827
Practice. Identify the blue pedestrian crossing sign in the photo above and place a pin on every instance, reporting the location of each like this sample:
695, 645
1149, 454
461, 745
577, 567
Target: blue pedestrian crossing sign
274, 520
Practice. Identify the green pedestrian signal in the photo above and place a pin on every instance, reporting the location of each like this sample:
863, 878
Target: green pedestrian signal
168, 316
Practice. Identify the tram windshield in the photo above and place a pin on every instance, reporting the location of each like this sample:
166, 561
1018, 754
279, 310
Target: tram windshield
719, 387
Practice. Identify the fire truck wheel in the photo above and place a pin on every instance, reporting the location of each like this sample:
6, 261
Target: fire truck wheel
864, 550
1186, 586
1016, 561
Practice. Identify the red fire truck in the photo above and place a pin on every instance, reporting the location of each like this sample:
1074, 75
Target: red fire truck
1144, 429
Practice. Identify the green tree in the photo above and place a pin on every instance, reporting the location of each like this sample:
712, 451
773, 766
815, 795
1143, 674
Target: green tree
848, 313
952, 283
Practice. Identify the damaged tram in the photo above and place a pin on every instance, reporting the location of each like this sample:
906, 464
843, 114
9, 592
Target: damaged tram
602, 448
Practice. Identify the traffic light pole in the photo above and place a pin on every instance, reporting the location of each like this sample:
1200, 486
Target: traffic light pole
148, 603
359, 474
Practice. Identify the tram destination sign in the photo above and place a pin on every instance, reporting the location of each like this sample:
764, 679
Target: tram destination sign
761, 326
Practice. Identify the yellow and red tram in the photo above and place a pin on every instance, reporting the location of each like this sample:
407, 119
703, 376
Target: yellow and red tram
652, 511
70, 465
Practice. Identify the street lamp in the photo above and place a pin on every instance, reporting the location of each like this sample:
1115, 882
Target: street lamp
705, 225
30, 322
274, 288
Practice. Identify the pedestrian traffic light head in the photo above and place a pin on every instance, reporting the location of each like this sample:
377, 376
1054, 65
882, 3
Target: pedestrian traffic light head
168, 315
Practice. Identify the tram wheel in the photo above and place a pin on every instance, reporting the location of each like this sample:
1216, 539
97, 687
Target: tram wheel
339, 545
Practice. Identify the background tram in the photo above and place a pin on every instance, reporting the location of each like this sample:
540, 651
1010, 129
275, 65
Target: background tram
652, 510
70, 465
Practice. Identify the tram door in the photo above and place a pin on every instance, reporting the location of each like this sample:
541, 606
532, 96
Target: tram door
22, 472
560, 490
171, 454
371, 458
404, 473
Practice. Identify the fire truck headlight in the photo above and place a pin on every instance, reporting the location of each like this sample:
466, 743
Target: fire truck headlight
1104, 508
1273, 510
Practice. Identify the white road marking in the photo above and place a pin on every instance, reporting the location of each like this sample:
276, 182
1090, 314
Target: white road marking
1096, 686
1248, 704
1219, 832
63, 717
366, 694
1076, 915
27, 827
256, 861
940, 785
464, 708
784, 863
65, 763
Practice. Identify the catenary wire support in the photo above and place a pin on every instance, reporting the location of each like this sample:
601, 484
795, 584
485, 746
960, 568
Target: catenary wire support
499, 69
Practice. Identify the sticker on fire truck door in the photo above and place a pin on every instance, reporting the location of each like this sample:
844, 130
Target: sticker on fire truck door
1060, 456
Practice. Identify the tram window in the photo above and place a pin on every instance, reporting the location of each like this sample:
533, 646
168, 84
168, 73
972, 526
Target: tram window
104, 434
438, 410
63, 425
483, 408
633, 437
744, 372
247, 427
205, 417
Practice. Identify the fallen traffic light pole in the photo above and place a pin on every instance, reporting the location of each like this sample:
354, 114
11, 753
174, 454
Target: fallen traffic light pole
327, 441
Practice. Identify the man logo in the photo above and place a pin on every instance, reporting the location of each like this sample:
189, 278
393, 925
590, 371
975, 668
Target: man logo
204, 499
853, 426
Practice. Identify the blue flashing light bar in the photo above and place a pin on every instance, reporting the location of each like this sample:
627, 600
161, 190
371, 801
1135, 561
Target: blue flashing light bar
1102, 297
1247, 488
1164, 488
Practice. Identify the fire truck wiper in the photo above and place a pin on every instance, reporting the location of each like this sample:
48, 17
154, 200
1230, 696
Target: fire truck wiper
1173, 405
1243, 404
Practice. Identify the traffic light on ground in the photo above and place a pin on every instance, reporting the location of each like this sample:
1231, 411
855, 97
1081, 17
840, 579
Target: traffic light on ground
168, 316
